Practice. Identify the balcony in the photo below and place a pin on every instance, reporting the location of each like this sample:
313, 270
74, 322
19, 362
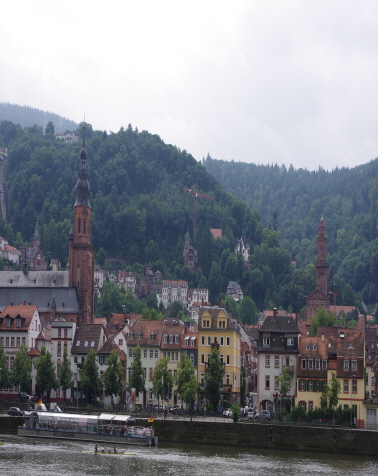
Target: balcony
227, 388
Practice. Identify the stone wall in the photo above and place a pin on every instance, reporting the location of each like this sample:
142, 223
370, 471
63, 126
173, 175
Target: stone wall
257, 435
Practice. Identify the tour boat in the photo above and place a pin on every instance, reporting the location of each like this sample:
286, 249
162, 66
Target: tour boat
106, 428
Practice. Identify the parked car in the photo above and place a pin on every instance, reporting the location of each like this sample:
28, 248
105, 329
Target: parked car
263, 415
15, 411
250, 413
176, 409
227, 413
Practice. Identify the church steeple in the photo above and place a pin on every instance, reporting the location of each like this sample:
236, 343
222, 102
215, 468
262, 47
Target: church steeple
321, 265
81, 252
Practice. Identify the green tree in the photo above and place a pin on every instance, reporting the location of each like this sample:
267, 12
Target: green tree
65, 376
231, 305
235, 413
247, 311
185, 381
20, 373
215, 282
322, 318
46, 377
283, 381
112, 377
162, 380
4, 372
243, 387
175, 308
333, 391
136, 379
152, 301
214, 378
90, 382
151, 314
50, 131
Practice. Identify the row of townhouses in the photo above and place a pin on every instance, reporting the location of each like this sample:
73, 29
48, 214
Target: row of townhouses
279, 345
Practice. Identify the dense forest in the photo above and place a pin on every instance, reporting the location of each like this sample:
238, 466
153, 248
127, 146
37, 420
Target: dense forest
141, 212
28, 116
291, 202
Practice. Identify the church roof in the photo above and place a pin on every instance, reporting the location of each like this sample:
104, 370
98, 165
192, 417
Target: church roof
37, 279
65, 298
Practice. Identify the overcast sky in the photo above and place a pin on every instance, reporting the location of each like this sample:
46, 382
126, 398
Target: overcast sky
287, 82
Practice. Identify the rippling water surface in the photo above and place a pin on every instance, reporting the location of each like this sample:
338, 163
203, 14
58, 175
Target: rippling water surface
23, 457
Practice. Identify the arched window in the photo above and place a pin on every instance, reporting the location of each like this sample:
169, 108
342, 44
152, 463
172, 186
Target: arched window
79, 225
85, 226
171, 338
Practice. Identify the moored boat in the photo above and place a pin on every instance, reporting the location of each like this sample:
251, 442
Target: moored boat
106, 428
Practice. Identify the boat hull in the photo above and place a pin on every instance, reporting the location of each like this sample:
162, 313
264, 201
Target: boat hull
94, 437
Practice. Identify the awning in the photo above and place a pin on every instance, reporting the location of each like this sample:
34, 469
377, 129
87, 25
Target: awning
114, 418
187, 337
193, 338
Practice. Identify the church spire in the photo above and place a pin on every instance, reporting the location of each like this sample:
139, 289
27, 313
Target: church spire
82, 185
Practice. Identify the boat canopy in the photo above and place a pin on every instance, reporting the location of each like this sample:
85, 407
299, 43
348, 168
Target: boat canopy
116, 418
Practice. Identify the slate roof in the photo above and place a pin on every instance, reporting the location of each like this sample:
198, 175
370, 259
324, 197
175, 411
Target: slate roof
281, 324
34, 279
65, 298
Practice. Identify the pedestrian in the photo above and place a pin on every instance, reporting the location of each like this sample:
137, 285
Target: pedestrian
96, 450
102, 449
115, 450
109, 450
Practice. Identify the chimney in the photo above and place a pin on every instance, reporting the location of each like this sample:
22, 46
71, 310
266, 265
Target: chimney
274, 314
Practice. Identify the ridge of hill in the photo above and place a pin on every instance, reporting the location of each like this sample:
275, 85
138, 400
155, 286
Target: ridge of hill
29, 116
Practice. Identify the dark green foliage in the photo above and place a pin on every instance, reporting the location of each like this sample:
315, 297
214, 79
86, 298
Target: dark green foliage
20, 373
213, 379
136, 379
46, 377
89, 380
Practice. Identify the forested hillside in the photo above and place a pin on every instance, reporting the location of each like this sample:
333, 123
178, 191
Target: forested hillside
28, 116
141, 213
291, 201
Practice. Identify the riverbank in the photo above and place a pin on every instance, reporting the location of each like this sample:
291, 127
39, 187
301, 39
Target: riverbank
255, 435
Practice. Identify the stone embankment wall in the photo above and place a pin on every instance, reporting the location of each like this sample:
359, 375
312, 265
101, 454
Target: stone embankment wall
256, 435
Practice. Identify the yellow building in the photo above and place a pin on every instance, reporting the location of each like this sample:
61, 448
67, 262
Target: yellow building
216, 328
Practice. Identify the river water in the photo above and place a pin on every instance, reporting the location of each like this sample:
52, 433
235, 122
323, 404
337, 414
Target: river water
23, 457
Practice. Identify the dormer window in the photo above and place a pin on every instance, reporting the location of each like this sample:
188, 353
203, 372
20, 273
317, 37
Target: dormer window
176, 339
152, 336
131, 336
222, 324
18, 322
165, 338
171, 338
205, 323
266, 341
7, 322
77, 343
139, 336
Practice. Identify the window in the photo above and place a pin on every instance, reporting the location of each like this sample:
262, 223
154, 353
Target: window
120, 342
165, 338
145, 353
303, 364
310, 386
156, 354
171, 338
222, 324
302, 385
176, 339
308, 346
202, 376
267, 382
202, 358
222, 341
290, 341
310, 405
317, 364
129, 372
221, 358
192, 342
130, 353
18, 322
372, 381
152, 336
131, 336
314, 347
324, 364
346, 386
310, 364
139, 336
59, 351
346, 364
65, 334
18, 341
228, 359
186, 341
276, 361
276, 383
266, 341
86, 343
202, 340
354, 365
228, 381
12, 341
151, 354
59, 333
208, 340
205, 323
192, 358
150, 374
7, 322
267, 361
227, 341
2, 340
7, 342
354, 386
145, 372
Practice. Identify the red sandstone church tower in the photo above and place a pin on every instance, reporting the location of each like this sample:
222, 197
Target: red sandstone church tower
319, 298
81, 252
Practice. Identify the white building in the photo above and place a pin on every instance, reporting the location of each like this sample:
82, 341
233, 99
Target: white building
196, 298
174, 291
